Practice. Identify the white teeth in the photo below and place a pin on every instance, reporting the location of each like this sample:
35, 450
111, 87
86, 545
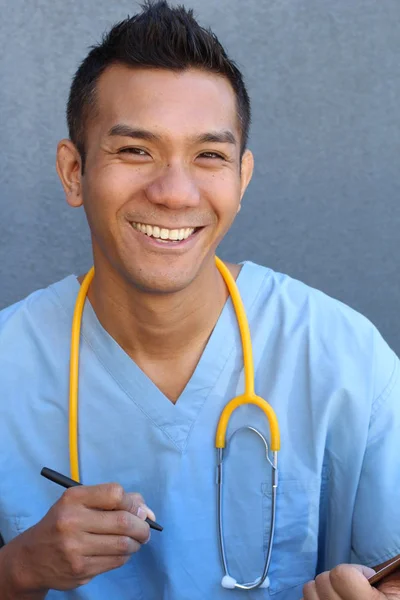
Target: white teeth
164, 233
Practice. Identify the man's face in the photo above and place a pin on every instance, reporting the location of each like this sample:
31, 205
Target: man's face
162, 181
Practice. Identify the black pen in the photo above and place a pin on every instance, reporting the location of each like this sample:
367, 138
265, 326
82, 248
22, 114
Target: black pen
67, 483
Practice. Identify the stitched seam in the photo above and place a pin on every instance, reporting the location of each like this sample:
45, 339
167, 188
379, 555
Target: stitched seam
61, 305
131, 397
205, 400
377, 403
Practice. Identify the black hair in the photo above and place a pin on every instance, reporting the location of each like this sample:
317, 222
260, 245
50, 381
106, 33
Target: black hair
162, 37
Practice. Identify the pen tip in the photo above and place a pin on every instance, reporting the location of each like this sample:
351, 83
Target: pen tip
154, 525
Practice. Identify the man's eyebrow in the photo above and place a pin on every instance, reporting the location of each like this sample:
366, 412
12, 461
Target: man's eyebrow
132, 132
213, 137
216, 137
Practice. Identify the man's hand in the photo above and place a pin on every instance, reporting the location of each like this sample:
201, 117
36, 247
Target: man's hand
350, 582
90, 530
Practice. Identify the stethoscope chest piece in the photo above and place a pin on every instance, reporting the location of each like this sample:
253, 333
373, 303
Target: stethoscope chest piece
229, 583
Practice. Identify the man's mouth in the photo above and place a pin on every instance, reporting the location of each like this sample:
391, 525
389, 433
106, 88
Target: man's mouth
162, 234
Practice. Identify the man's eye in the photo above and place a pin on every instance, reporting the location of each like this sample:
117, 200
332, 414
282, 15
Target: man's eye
131, 150
212, 155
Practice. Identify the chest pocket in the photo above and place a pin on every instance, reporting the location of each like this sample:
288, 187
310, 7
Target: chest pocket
295, 545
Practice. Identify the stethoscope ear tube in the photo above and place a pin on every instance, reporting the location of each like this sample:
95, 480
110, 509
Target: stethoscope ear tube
74, 375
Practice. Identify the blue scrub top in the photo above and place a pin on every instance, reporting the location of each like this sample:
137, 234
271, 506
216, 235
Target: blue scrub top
325, 369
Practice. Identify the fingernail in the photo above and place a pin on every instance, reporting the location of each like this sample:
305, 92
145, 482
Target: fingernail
147, 512
148, 539
150, 514
141, 513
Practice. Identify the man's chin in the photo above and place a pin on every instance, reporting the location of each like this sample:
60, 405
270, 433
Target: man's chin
161, 283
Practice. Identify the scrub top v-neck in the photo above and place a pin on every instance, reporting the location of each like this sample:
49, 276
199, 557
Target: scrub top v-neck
175, 420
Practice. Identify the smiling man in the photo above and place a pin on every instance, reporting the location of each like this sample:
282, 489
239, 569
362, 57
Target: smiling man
158, 119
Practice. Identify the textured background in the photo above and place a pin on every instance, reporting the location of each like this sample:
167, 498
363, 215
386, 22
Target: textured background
324, 203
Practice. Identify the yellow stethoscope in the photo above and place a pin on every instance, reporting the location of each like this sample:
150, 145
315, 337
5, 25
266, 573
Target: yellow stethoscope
249, 397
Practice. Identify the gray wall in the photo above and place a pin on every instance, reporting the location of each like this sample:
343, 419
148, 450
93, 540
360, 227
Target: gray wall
325, 80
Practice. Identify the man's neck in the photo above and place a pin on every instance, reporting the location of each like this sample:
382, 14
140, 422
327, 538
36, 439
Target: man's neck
160, 327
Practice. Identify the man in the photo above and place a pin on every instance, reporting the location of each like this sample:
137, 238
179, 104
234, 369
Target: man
158, 119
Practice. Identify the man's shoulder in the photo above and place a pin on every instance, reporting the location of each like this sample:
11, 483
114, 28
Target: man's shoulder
297, 295
336, 338
294, 305
19, 308
36, 311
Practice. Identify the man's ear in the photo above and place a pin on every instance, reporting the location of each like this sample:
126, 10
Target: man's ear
68, 165
246, 172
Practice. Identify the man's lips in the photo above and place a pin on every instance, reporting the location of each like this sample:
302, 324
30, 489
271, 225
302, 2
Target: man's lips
162, 232
165, 238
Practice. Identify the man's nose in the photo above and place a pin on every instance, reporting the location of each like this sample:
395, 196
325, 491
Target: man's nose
174, 188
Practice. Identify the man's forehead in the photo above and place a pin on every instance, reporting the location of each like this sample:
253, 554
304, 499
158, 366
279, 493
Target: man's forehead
193, 99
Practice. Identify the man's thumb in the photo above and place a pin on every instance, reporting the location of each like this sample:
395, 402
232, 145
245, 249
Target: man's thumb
366, 571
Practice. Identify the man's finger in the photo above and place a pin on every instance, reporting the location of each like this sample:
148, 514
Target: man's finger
116, 522
324, 587
366, 571
350, 582
90, 566
109, 545
109, 496
132, 502
105, 496
310, 591
346, 582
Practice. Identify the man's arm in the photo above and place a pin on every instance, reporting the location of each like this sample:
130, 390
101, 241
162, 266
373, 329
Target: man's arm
10, 584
